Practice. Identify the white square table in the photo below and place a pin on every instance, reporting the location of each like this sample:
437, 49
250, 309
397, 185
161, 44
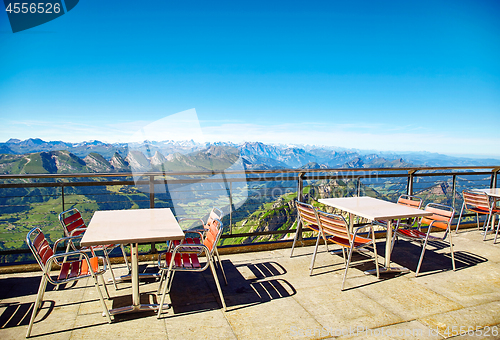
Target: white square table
493, 192
132, 226
376, 209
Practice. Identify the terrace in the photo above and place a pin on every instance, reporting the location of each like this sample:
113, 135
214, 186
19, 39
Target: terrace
271, 295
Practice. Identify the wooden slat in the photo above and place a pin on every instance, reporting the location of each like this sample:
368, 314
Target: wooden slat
195, 261
186, 261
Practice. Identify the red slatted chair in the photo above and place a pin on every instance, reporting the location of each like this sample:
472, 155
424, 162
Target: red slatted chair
441, 218
480, 203
215, 214
306, 216
335, 229
184, 256
70, 270
73, 225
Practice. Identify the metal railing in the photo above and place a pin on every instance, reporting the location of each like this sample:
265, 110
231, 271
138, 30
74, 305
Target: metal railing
245, 196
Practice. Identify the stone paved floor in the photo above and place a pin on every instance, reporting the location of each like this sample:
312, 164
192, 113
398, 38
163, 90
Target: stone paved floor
272, 296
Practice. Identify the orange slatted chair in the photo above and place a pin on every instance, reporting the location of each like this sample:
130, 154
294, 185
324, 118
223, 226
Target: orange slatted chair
334, 228
480, 203
215, 214
441, 218
73, 225
409, 201
307, 217
184, 256
74, 266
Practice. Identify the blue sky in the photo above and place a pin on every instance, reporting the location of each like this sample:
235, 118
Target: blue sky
382, 75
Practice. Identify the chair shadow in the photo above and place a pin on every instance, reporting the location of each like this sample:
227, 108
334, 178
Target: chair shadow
19, 314
248, 284
407, 254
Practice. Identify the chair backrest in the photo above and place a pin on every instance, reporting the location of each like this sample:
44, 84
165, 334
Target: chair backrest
473, 199
39, 246
410, 201
70, 220
215, 214
442, 215
213, 233
334, 225
307, 213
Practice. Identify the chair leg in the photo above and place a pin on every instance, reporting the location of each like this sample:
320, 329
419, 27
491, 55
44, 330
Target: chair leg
375, 253
125, 256
486, 226
105, 308
343, 255
162, 278
293, 244
216, 279
421, 257
220, 265
314, 255
105, 287
38, 301
451, 249
459, 218
162, 300
347, 267
498, 227
110, 268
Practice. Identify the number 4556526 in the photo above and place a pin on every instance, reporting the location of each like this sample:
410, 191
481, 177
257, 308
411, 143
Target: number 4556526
23, 7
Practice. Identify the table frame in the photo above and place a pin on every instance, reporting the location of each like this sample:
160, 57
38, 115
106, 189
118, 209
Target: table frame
132, 226
376, 209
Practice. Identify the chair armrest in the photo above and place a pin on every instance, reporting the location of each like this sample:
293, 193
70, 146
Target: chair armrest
191, 219
63, 239
55, 257
78, 229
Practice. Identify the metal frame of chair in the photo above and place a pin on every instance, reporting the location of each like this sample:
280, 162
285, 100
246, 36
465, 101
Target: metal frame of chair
215, 214
307, 222
335, 229
496, 234
184, 256
73, 225
72, 270
442, 216
480, 203
338, 230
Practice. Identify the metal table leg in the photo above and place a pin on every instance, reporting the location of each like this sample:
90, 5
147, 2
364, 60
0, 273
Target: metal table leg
388, 249
136, 297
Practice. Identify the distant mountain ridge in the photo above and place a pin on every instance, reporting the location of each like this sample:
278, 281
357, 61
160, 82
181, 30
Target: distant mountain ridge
38, 156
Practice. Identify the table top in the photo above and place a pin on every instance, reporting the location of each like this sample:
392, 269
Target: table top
491, 192
373, 208
132, 226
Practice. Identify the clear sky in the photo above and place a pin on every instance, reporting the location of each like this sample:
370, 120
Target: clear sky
382, 75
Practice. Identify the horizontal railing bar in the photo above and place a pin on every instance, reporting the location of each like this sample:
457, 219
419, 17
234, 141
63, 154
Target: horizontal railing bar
494, 168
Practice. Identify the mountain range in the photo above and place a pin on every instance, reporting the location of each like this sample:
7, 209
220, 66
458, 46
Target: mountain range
38, 156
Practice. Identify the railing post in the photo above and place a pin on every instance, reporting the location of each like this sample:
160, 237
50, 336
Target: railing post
151, 192
454, 191
494, 175
62, 197
300, 198
409, 185
358, 186
230, 207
